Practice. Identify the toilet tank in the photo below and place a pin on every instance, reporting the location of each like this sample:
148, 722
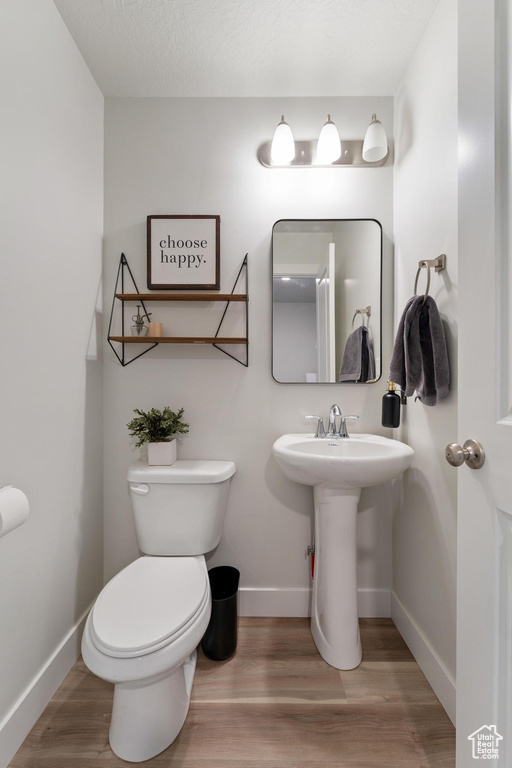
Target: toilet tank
179, 510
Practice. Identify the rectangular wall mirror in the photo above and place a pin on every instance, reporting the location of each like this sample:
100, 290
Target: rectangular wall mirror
326, 300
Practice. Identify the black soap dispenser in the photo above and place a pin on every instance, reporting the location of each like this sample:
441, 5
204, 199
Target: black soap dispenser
391, 407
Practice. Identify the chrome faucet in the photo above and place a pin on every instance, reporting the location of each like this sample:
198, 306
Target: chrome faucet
333, 413
332, 432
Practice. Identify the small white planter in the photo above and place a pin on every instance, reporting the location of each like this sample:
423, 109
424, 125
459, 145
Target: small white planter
162, 454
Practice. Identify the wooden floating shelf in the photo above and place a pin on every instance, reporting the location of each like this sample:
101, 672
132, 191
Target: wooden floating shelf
178, 340
181, 297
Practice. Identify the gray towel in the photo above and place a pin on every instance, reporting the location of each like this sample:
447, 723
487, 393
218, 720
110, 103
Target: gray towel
420, 359
358, 362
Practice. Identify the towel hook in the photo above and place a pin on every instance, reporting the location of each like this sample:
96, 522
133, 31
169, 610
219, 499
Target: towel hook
364, 311
439, 264
427, 265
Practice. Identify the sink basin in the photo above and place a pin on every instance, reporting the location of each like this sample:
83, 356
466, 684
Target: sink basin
338, 469
355, 462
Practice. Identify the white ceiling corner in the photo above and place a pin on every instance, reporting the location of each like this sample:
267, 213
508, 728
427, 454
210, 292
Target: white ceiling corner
247, 47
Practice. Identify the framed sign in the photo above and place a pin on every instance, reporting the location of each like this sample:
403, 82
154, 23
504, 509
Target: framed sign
184, 252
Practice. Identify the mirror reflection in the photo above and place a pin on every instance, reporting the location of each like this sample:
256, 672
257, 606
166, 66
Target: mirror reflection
326, 300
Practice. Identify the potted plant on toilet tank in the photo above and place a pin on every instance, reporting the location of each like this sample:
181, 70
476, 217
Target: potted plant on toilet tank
159, 430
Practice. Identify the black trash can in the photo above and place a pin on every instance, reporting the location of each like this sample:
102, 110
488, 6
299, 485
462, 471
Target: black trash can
219, 641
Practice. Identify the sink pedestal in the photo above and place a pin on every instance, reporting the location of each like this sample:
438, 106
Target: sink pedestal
338, 469
334, 614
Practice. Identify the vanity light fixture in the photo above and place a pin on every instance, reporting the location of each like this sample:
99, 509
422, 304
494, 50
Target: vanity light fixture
328, 152
329, 145
375, 145
282, 151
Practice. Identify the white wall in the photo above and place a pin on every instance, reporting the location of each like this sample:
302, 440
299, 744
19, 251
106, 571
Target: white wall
425, 190
50, 239
199, 156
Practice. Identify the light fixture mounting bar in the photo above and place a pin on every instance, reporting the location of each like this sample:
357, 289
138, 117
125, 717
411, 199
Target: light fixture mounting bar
305, 156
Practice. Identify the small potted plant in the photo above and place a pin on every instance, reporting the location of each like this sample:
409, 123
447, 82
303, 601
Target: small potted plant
158, 429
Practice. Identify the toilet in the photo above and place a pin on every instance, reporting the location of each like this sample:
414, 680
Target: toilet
144, 628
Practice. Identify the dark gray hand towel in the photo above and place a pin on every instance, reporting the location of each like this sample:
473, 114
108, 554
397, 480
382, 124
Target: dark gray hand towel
420, 358
352, 357
358, 362
397, 370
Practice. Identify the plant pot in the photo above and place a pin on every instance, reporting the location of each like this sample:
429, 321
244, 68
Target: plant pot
162, 454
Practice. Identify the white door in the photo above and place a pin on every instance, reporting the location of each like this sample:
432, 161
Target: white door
325, 317
484, 576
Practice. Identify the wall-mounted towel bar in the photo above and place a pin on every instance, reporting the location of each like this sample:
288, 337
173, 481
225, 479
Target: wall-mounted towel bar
363, 311
439, 264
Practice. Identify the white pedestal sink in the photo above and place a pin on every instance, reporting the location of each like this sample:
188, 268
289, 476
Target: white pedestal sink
338, 469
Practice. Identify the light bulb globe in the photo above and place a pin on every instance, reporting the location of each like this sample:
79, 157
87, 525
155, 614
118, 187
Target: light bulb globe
375, 145
329, 145
282, 150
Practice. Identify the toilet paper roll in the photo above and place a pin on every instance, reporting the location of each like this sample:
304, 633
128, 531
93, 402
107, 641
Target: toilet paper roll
13, 509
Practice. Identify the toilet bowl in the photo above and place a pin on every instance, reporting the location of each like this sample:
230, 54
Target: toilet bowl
141, 635
144, 628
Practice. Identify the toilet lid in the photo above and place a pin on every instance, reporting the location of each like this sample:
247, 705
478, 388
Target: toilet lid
148, 603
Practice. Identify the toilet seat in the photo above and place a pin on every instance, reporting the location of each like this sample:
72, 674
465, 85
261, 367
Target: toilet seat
148, 605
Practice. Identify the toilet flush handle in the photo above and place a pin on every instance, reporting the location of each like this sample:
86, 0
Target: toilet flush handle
140, 490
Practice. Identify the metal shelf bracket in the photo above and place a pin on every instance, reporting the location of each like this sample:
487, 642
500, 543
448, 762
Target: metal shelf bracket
246, 361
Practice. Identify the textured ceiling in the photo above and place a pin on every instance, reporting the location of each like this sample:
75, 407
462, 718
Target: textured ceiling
247, 47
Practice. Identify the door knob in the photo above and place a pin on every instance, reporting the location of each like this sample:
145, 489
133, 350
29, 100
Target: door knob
471, 452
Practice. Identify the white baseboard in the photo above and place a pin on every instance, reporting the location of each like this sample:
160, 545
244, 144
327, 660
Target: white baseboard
431, 665
21, 718
269, 601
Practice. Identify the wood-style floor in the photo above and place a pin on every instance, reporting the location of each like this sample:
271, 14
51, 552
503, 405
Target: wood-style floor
275, 704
